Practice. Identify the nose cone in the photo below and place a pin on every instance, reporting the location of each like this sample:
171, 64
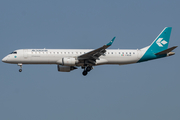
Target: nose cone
4, 59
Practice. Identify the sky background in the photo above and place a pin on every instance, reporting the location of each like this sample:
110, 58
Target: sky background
142, 91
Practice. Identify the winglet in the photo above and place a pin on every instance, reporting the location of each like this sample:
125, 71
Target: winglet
111, 42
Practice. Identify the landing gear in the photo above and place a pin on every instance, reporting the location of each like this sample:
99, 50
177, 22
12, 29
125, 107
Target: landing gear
86, 70
89, 68
20, 65
85, 73
20, 70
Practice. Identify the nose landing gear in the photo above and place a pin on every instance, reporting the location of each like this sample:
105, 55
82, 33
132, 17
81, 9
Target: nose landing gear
20, 70
20, 65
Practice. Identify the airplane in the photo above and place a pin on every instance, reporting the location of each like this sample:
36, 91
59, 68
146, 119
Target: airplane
69, 59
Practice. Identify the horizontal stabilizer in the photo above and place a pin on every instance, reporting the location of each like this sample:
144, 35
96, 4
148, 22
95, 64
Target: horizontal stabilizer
166, 51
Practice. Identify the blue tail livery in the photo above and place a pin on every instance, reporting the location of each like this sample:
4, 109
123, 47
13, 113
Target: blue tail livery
160, 44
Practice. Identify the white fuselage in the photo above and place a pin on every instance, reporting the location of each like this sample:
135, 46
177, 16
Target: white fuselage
52, 56
68, 59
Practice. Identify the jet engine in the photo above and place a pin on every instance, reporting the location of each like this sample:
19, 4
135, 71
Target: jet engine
65, 68
67, 61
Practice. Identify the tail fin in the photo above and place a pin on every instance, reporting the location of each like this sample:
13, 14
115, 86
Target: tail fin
162, 41
159, 45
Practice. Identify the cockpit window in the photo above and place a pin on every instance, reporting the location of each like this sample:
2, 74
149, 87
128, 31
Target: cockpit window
13, 53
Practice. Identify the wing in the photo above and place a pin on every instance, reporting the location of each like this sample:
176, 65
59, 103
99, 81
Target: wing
94, 55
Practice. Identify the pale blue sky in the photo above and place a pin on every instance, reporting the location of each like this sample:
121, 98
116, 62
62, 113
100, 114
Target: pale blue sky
145, 91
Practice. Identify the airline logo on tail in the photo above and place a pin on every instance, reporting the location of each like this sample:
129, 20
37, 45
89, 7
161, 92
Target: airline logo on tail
160, 42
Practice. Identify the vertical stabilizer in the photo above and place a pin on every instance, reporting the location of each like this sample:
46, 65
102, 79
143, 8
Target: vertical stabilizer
162, 41
158, 45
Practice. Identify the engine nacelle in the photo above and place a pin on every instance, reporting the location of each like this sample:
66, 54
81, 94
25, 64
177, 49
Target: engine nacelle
65, 68
67, 61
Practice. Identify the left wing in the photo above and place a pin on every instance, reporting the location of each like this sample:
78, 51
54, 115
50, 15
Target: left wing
95, 54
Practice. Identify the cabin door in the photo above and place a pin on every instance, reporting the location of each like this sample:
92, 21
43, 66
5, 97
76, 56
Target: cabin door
25, 53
